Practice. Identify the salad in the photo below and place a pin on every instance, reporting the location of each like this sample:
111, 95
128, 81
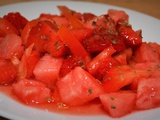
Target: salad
75, 58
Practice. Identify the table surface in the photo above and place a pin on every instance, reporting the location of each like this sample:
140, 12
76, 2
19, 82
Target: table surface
150, 7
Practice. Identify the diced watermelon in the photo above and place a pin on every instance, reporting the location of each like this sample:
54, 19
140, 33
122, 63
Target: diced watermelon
47, 70
78, 87
148, 93
32, 92
119, 103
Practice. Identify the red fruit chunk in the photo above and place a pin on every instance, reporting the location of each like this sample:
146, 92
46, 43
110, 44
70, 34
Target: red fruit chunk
7, 28
148, 93
118, 104
11, 46
147, 52
78, 87
70, 63
117, 14
102, 63
47, 70
17, 20
27, 63
131, 38
123, 75
31, 91
8, 72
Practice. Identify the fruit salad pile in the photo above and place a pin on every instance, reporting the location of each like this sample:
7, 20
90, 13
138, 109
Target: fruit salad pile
73, 58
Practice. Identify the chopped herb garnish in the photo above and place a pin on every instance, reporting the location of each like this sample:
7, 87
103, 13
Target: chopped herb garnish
57, 45
93, 23
113, 107
114, 42
48, 99
112, 98
90, 91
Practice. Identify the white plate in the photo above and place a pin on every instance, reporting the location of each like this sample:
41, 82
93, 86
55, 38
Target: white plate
149, 25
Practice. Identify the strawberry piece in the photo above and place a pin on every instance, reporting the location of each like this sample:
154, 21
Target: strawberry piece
17, 20
70, 63
27, 63
45, 39
11, 46
7, 28
117, 14
102, 63
131, 38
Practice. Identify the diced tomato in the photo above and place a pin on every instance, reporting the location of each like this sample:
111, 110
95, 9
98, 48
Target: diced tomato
31, 91
11, 46
147, 53
148, 93
78, 87
8, 72
17, 20
118, 104
7, 28
47, 69
118, 14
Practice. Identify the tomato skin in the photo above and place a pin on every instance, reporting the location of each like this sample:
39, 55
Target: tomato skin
31, 91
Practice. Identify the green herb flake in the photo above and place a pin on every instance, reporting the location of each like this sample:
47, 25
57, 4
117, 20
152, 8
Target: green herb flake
108, 78
48, 99
157, 66
94, 23
114, 42
57, 45
90, 91
112, 98
113, 107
